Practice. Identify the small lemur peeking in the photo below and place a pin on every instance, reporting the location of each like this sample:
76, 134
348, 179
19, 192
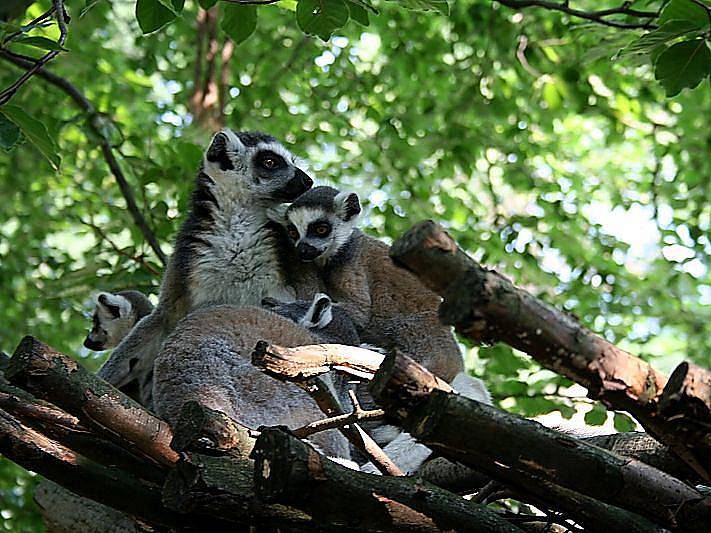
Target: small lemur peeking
330, 323
114, 316
226, 251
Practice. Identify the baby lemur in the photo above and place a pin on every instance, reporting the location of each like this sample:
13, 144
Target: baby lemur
114, 316
226, 251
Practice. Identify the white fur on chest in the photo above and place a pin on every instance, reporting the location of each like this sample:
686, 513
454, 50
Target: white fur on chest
241, 266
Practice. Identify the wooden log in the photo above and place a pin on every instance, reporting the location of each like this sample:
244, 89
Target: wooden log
110, 486
289, 471
302, 362
68, 431
464, 430
460, 478
222, 486
62, 381
486, 307
205, 430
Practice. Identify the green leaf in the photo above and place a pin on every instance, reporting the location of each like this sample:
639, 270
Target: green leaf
35, 131
685, 10
41, 42
239, 22
321, 17
596, 416
683, 65
358, 13
666, 32
9, 133
425, 5
152, 15
207, 4
624, 423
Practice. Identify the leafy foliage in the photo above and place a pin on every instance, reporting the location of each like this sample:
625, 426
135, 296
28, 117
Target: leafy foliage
548, 153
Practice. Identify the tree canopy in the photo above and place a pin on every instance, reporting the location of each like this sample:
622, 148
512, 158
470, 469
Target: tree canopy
565, 144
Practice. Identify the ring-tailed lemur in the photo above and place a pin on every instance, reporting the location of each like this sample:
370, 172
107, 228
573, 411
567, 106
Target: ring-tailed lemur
114, 316
389, 305
226, 250
207, 358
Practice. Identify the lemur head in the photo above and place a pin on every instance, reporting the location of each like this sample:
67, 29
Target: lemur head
320, 222
329, 322
254, 167
114, 316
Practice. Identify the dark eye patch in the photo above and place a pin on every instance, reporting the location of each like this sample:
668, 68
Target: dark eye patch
268, 160
320, 228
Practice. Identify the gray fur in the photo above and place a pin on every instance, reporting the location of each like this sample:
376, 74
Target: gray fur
226, 250
207, 358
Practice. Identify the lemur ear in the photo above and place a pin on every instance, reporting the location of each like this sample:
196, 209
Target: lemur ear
319, 314
277, 213
217, 155
113, 304
347, 205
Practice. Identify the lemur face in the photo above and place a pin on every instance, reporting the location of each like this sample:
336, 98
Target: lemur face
255, 166
112, 320
321, 221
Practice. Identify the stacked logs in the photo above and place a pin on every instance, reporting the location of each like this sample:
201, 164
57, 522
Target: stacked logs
208, 471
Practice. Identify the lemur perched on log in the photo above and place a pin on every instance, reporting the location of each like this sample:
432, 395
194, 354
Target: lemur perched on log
226, 250
391, 308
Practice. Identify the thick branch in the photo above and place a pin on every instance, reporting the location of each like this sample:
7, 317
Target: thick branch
291, 472
96, 124
302, 362
110, 486
486, 307
223, 486
464, 430
62, 381
68, 431
201, 429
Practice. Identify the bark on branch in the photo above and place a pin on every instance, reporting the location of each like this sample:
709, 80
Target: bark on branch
470, 432
54, 377
291, 472
486, 307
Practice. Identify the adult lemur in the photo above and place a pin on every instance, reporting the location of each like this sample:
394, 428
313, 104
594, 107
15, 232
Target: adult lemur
114, 316
226, 250
389, 305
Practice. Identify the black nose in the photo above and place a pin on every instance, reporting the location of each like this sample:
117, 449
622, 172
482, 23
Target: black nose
307, 252
93, 345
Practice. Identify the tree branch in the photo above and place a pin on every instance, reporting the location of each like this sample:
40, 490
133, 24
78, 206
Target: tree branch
62, 19
356, 415
485, 307
95, 124
470, 432
291, 472
599, 17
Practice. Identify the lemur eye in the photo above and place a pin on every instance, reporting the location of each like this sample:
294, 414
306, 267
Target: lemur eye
322, 230
269, 163
293, 232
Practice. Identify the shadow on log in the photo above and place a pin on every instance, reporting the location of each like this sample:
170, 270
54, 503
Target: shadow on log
486, 307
